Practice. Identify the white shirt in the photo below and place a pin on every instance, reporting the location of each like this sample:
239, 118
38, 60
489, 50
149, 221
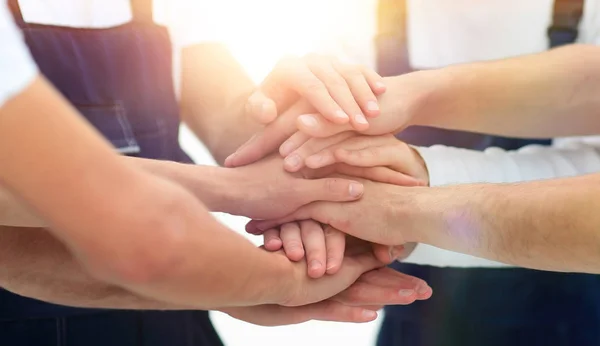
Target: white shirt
444, 32
189, 21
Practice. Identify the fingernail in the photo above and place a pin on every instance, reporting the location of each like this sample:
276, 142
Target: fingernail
228, 160
286, 148
292, 161
395, 253
356, 189
423, 288
315, 265
330, 265
359, 118
372, 106
341, 115
308, 120
406, 293
369, 314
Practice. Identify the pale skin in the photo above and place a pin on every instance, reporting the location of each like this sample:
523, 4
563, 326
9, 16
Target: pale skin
216, 109
549, 225
120, 250
470, 97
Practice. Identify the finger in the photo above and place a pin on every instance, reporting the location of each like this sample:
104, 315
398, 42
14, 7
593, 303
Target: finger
296, 159
339, 90
313, 239
328, 189
293, 143
261, 108
315, 125
320, 150
266, 141
391, 278
276, 87
376, 82
303, 80
335, 244
368, 157
379, 174
292, 241
360, 89
383, 253
330, 310
272, 240
362, 293
315, 211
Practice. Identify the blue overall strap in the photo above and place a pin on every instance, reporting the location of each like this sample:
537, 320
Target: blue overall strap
565, 22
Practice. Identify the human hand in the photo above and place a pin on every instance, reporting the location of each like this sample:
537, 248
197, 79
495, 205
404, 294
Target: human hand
323, 246
391, 160
343, 93
264, 190
357, 304
373, 287
407, 102
386, 214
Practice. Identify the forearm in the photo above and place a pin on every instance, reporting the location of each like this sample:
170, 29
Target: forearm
126, 226
548, 225
14, 213
545, 95
215, 89
30, 258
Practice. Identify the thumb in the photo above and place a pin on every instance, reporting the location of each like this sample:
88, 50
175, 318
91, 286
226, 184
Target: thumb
264, 142
387, 254
261, 108
365, 262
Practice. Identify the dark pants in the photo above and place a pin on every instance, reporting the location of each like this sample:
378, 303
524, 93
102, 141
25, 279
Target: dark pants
132, 328
503, 306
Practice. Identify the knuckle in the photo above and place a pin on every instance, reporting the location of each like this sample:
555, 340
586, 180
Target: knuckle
332, 186
372, 152
292, 244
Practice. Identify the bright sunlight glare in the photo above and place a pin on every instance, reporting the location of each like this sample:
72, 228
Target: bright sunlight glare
260, 32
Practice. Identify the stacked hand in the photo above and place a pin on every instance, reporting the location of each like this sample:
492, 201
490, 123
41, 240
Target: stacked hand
327, 148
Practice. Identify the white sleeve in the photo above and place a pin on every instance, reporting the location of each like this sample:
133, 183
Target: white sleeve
449, 165
17, 68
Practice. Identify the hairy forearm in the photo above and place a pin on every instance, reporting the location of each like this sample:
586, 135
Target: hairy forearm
548, 225
545, 95
215, 89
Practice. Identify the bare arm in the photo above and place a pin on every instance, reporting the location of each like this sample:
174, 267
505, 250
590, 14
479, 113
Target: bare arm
551, 94
30, 258
129, 228
215, 89
549, 225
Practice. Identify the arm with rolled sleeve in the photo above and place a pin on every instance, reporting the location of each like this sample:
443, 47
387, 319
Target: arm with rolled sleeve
449, 166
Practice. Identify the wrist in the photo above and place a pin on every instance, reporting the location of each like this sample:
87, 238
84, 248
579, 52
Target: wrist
418, 210
436, 96
276, 283
211, 185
